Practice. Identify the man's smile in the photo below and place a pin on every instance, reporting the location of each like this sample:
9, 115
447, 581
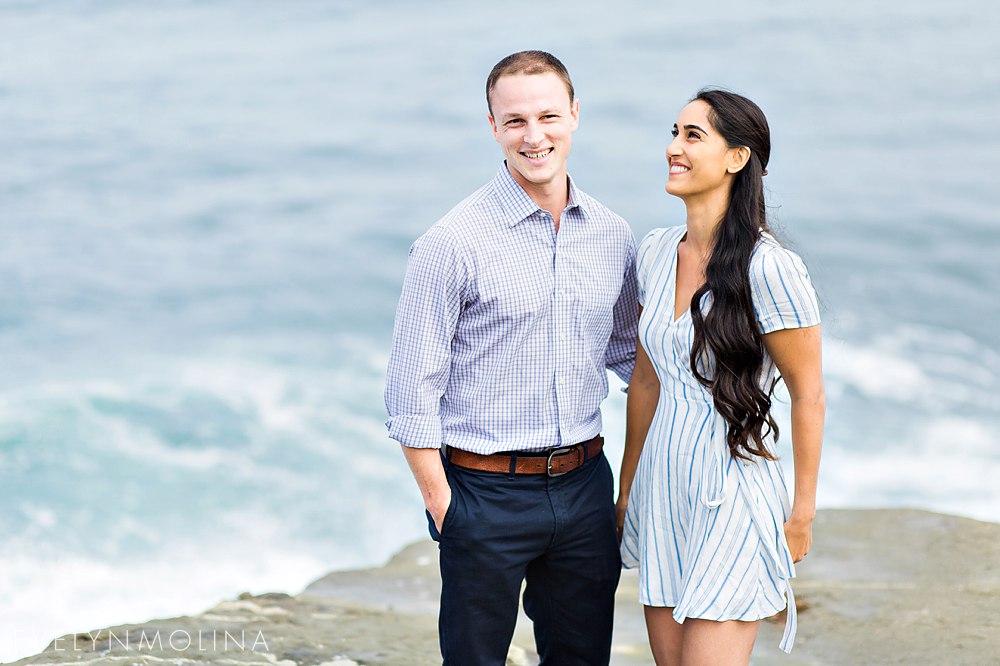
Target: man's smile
538, 155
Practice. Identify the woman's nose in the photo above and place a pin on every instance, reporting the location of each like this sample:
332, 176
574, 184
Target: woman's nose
673, 149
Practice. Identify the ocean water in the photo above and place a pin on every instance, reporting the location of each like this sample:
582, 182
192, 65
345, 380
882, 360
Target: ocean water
205, 209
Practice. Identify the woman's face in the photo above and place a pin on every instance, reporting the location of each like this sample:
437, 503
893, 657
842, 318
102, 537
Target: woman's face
699, 158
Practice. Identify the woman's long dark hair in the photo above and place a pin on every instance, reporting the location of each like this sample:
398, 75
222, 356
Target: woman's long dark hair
727, 333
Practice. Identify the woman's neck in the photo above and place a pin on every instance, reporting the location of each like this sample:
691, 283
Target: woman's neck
704, 215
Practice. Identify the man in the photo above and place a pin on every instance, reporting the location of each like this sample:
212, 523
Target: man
513, 306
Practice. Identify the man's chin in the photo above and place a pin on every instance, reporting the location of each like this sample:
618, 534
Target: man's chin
538, 175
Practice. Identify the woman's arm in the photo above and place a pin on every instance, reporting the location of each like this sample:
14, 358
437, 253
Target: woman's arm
643, 394
797, 353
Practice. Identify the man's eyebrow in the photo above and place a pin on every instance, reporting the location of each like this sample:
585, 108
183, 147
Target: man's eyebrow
543, 112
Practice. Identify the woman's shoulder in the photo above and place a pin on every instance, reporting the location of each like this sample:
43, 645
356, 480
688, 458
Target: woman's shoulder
782, 291
770, 255
655, 251
661, 238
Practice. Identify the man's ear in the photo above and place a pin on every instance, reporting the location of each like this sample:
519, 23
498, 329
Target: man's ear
493, 124
738, 158
574, 113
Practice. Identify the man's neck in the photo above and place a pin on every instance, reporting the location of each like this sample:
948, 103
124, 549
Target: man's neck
551, 197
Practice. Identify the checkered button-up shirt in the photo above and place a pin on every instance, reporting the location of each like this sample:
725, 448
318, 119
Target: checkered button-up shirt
505, 328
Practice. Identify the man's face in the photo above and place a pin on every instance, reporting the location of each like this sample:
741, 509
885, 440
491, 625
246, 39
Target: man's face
533, 121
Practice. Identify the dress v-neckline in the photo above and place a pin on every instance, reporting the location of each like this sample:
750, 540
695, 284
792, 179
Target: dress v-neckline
674, 317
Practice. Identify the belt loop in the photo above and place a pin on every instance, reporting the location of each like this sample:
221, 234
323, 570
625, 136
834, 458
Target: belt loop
445, 456
513, 466
586, 452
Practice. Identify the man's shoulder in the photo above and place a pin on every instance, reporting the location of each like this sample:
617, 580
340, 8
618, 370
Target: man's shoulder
474, 209
601, 213
459, 227
595, 207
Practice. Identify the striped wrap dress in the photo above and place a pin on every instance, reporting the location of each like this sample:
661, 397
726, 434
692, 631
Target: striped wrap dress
705, 529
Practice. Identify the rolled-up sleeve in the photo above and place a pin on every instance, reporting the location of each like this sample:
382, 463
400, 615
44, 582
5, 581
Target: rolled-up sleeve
620, 356
426, 317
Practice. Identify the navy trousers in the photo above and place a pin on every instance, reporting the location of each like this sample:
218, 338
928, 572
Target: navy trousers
557, 534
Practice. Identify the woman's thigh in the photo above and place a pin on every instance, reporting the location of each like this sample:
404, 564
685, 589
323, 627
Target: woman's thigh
665, 635
698, 642
709, 643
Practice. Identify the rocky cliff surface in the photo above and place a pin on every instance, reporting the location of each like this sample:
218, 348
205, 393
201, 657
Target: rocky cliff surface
880, 587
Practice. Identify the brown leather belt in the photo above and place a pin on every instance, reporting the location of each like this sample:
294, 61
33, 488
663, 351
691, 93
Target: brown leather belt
554, 462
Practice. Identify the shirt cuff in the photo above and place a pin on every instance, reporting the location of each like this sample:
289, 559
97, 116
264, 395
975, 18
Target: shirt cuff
416, 431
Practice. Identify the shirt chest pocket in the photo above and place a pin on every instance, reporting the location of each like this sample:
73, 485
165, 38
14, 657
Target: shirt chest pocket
508, 294
597, 297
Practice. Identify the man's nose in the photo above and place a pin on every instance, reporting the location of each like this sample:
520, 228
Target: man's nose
533, 134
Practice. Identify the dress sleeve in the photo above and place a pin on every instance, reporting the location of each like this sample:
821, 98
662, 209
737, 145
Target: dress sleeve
783, 295
644, 258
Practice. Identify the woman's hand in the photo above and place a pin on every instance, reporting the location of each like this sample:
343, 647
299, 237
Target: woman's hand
798, 533
620, 507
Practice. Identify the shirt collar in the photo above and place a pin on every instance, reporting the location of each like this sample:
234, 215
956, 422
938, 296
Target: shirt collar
518, 206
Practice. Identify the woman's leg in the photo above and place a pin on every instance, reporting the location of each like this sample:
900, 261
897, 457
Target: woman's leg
665, 635
708, 643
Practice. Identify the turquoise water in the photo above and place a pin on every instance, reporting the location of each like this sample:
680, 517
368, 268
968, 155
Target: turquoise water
204, 216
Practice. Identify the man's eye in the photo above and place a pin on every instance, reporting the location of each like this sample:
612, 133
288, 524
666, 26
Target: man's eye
674, 132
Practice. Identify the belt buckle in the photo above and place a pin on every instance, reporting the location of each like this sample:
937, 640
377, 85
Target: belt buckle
566, 450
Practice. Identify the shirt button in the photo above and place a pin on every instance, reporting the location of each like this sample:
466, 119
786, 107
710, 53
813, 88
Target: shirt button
562, 336
562, 382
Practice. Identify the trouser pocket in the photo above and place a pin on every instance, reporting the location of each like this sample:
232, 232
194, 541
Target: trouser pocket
431, 528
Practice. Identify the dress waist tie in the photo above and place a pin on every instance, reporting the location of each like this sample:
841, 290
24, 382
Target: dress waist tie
771, 532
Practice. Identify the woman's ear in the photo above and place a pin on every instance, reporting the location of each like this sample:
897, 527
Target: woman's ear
738, 158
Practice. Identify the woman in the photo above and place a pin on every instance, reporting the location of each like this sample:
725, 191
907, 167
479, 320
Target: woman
703, 508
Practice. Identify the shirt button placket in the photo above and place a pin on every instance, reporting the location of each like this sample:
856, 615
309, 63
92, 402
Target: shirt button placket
560, 325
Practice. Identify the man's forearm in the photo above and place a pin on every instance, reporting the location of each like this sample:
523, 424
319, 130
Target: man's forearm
429, 474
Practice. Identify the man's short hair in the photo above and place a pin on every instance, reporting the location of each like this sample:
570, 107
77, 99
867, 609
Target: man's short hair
527, 62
